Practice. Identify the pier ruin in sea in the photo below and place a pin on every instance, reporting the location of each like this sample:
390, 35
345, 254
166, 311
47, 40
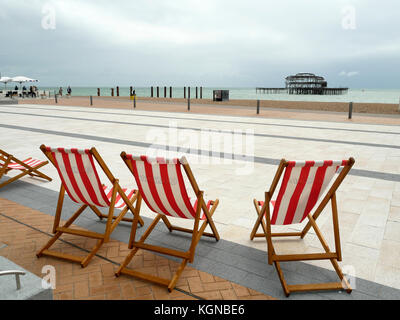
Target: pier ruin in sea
305, 83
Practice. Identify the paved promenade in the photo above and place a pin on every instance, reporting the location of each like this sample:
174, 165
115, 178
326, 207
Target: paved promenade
368, 200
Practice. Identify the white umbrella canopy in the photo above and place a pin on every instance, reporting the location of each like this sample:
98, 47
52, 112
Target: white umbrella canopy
21, 79
5, 80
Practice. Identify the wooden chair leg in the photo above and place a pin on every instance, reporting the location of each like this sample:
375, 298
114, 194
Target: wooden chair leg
24, 173
177, 274
59, 233
131, 241
96, 248
3, 169
209, 214
97, 212
59, 209
282, 278
167, 223
259, 221
343, 285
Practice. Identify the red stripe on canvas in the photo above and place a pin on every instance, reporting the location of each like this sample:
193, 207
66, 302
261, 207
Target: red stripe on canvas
294, 200
85, 179
184, 194
168, 191
136, 175
153, 189
278, 202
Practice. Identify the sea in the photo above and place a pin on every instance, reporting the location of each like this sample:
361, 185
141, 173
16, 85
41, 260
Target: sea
391, 96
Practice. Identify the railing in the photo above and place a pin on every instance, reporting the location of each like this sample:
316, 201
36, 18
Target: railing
17, 274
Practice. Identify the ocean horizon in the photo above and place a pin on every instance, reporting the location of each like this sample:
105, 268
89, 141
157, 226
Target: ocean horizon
391, 96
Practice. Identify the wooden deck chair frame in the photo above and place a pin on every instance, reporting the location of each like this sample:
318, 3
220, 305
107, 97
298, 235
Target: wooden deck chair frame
110, 225
29, 170
334, 257
197, 233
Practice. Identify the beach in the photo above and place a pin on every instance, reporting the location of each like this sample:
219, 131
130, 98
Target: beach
323, 111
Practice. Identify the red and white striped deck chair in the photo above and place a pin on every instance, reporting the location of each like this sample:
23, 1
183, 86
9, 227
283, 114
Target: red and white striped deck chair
162, 187
304, 183
29, 166
80, 179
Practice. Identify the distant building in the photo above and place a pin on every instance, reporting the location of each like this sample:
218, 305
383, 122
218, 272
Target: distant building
305, 83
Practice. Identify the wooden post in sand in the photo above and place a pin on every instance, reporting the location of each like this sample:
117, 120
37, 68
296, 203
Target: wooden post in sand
98, 92
189, 104
165, 91
152, 92
258, 106
112, 92
91, 100
158, 92
189, 92
201, 92
117, 91
197, 93
184, 92
55, 97
170, 92
350, 110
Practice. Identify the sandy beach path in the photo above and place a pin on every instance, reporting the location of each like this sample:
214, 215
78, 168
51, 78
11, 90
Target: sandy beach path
278, 109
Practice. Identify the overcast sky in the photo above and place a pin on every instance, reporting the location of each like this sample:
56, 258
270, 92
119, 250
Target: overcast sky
244, 43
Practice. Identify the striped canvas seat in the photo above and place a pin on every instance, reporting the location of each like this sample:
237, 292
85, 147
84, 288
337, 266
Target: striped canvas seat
80, 180
79, 176
162, 186
30, 162
303, 184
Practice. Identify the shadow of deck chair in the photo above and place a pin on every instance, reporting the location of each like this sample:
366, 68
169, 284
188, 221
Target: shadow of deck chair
162, 187
80, 179
29, 166
303, 184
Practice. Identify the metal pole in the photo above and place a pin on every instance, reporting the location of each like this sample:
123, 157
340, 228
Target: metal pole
91, 100
258, 106
350, 110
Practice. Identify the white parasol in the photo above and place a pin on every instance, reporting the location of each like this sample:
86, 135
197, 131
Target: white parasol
5, 80
22, 79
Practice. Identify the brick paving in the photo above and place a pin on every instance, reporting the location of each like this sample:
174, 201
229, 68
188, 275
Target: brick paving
24, 231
